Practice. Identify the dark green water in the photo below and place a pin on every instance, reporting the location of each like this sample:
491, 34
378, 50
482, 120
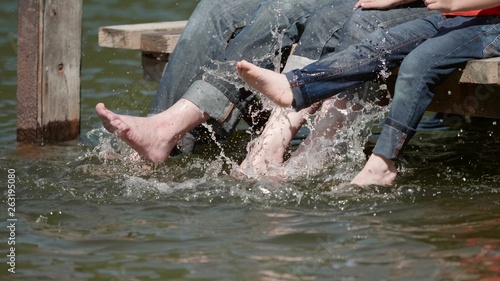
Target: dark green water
83, 216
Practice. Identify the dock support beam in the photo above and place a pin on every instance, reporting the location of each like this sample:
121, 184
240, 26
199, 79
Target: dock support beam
49, 62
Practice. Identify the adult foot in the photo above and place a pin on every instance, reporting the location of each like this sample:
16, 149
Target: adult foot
377, 171
147, 135
271, 84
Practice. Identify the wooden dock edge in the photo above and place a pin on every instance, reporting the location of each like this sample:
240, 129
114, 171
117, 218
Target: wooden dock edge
129, 36
473, 91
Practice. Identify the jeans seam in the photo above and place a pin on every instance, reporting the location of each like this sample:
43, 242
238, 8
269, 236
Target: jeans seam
489, 50
361, 62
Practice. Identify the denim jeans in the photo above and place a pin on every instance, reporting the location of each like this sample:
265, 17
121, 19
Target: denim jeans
210, 27
458, 40
440, 45
220, 38
315, 30
276, 25
355, 28
213, 33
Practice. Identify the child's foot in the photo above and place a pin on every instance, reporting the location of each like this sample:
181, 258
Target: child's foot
146, 135
377, 171
272, 84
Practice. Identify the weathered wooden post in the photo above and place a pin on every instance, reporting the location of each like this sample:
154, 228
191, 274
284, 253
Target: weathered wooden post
49, 61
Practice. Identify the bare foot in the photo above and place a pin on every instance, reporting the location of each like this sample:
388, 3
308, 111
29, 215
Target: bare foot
146, 135
377, 171
272, 84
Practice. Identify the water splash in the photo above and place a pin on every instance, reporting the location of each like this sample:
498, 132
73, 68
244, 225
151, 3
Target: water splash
325, 164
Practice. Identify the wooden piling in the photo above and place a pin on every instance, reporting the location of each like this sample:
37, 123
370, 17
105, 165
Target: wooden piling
49, 61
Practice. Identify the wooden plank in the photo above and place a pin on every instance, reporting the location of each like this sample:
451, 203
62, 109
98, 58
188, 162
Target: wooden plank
474, 90
156, 49
49, 49
129, 36
159, 41
484, 71
480, 100
162, 37
454, 96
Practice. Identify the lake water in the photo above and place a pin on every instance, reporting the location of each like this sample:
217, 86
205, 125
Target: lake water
82, 216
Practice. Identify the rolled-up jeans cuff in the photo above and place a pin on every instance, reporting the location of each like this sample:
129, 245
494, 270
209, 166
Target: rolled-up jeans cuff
209, 100
392, 139
299, 99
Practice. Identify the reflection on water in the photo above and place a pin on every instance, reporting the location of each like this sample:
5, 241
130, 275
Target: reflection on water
85, 213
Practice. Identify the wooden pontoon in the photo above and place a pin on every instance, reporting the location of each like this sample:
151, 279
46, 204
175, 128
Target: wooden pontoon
472, 91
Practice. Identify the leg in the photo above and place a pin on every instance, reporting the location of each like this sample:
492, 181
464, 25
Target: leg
378, 170
273, 85
267, 151
373, 47
329, 119
153, 137
220, 21
274, 27
265, 154
426, 66
290, 16
337, 72
319, 36
251, 34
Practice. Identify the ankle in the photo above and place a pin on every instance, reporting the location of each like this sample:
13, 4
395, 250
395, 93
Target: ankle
381, 164
378, 170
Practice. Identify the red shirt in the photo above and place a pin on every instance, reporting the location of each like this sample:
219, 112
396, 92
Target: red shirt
473, 13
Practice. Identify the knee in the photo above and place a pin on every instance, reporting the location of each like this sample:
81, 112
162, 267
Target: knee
416, 76
416, 65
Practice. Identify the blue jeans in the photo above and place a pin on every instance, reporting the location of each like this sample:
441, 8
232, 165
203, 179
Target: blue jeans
458, 40
438, 46
233, 30
224, 100
221, 30
211, 26
315, 30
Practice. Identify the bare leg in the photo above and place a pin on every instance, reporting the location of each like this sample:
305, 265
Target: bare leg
267, 151
329, 120
377, 171
266, 154
271, 84
153, 137
276, 87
